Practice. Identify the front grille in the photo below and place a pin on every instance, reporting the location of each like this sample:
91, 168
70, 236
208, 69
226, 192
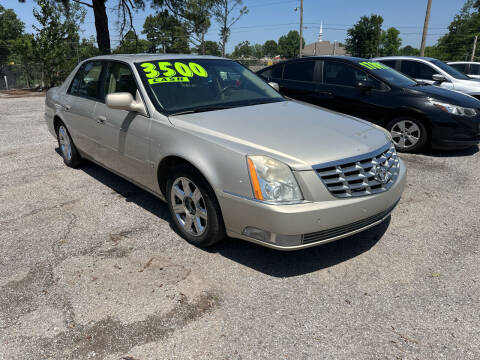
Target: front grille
345, 229
371, 173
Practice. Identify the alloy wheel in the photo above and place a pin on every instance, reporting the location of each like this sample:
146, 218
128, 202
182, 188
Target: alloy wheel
405, 134
189, 206
65, 143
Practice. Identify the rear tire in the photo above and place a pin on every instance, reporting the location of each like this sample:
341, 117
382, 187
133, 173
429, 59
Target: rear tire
194, 208
69, 152
409, 134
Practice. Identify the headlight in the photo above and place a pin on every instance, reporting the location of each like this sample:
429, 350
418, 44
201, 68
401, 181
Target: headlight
454, 109
272, 180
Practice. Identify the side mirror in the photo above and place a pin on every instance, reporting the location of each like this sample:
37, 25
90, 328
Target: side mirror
364, 85
274, 85
439, 78
125, 101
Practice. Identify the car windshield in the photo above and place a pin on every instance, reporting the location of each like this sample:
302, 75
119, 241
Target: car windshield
450, 70
388, 74
191, 85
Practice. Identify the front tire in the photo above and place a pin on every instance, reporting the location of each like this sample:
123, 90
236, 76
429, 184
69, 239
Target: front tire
69, 152
194, 208
409, 134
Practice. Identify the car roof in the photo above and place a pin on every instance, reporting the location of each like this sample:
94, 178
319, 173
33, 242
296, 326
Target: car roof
133, 58
425, 58
323, 57
463, 62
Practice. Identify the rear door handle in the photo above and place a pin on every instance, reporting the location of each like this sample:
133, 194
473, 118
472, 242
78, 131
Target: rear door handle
101, 119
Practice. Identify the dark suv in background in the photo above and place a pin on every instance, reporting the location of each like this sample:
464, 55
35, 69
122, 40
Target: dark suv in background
416, 114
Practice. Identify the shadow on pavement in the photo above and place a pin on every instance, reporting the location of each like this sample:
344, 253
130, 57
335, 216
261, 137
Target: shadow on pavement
286, 264
472, 150
268, 261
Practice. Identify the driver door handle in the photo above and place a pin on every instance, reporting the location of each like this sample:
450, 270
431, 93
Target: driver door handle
101, 119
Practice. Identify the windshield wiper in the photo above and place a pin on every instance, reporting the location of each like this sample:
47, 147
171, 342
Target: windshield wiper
202, 109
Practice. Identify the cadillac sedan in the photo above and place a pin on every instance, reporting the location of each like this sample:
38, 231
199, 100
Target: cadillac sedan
227, 152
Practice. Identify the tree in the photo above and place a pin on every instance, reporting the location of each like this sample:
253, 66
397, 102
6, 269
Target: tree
288, 45
212, 48
124, 12
244, 49
409, 51
363, 40
131, 44
224, 14
166, 33
56, 39
197, 19
270, 48
457, 44
11, 28
391, 42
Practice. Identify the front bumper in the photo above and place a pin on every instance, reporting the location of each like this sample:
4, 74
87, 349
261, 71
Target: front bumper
455, 132
293, 227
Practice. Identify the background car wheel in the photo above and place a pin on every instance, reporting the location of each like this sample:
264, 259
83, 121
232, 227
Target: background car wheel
194, 208
408, 134
69, 152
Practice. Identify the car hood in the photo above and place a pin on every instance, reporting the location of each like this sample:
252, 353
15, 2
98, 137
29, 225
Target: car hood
471, 86
298, 134
445, 95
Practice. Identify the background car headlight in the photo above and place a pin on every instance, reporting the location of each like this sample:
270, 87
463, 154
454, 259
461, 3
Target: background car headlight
272, 180
454, 109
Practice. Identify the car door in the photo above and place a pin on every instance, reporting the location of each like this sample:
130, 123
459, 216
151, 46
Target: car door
123, 135
423, 72
298, 80
79, 106
339, 83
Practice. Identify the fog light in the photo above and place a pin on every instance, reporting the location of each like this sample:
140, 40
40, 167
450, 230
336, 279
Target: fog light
255, 233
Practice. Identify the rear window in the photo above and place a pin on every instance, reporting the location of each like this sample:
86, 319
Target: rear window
299, 71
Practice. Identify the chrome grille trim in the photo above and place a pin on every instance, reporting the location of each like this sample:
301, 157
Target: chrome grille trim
357, 176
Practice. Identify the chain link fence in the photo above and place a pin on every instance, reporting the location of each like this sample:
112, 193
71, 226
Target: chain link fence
20, 76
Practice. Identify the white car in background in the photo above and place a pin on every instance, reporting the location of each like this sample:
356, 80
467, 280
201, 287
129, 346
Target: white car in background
470, 68
433, 71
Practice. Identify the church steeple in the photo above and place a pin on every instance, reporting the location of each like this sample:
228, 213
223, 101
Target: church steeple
320, 34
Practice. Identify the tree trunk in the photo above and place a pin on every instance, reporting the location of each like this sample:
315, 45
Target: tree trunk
101, 25
203, 43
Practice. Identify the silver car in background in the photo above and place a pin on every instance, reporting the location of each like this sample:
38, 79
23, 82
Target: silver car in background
227, 152
433, 71
469, 68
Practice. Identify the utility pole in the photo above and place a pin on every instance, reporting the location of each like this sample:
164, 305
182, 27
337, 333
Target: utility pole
425, 28
474, 48
301, 28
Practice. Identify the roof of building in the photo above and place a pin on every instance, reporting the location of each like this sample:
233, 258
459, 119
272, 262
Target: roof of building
323, 48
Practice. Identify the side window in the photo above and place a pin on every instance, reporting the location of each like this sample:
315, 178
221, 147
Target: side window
474, 69
417, 70
299, 71
120, 79
338, 73
87, 80
461, 67
277, 72
390, 63
265, 74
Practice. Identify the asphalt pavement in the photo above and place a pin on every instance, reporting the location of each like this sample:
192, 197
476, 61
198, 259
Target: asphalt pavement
90, 268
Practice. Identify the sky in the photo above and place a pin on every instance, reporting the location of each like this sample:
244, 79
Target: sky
270, 19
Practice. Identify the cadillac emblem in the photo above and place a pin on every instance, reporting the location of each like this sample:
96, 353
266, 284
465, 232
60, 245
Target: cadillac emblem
381, 173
